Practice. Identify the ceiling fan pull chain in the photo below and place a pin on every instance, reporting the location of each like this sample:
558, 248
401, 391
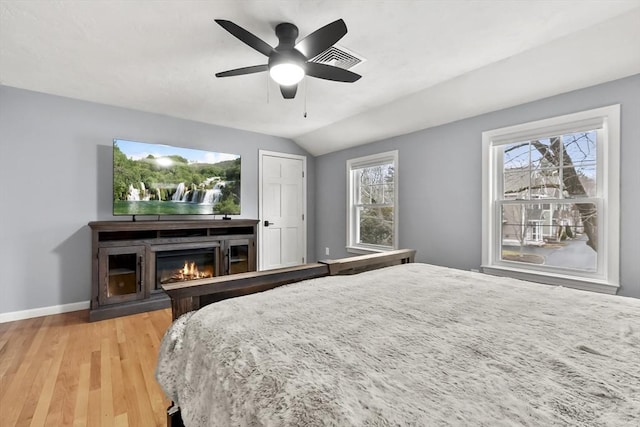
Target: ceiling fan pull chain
267, 80
306, 83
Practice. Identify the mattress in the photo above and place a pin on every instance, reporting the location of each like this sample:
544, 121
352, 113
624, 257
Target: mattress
409, 345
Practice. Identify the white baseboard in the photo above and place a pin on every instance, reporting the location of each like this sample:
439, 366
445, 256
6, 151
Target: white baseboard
43, 311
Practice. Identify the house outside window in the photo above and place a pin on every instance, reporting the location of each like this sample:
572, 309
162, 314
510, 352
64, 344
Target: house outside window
551, 200
372, 203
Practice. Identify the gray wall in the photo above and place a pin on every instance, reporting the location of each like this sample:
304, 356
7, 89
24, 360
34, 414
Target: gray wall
56, 174
440, 174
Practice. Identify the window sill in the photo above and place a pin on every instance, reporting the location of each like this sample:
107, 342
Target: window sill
573, 282
363, 251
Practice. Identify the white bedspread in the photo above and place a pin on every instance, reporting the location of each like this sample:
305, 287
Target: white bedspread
412, 345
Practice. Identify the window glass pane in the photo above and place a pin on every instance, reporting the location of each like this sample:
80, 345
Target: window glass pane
545, 153
376, 225
560, 235
388, 193
371, 194
580, 148
364, 195
516, 156
377, 193
545, 183
516, 183
579, 161
579, 183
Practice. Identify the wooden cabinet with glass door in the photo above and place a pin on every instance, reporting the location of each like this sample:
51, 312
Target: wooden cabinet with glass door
240, 256
123, 274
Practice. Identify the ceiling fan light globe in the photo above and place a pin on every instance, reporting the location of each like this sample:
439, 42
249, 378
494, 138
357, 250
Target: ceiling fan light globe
286, 74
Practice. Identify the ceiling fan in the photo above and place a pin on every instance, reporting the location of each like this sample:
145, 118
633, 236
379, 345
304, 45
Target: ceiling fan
289, 62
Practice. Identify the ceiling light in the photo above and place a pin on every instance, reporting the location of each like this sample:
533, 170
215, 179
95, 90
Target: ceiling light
286, 73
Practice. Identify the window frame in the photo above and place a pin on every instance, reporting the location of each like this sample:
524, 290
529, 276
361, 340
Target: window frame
606, 122
352, 245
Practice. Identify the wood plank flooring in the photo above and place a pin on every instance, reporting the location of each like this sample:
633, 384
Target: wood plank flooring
63, 371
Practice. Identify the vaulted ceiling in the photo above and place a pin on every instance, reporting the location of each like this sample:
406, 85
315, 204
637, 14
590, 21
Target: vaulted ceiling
426, 62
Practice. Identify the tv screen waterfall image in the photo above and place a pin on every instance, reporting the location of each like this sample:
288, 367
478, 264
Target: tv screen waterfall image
154, 179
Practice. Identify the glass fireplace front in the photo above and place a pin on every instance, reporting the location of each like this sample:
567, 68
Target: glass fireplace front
183, 265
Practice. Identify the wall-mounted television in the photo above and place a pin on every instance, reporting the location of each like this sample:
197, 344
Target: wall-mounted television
155, 179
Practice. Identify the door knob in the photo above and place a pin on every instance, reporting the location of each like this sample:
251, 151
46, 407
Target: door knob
267, 223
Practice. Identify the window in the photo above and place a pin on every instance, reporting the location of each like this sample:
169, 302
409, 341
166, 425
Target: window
551, 200
372, 201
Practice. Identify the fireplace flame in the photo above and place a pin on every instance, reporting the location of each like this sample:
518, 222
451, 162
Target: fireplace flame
189, 271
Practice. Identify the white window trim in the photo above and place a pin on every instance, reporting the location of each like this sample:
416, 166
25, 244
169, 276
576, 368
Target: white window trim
608, 118
374, 159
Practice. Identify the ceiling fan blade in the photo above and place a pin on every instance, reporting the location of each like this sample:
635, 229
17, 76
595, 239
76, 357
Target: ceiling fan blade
322, 39
244, 70
329, 72
246, 37
289, 92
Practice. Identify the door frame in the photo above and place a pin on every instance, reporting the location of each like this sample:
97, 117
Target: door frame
261, 155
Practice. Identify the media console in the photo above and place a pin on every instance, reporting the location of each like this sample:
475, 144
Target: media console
132, 260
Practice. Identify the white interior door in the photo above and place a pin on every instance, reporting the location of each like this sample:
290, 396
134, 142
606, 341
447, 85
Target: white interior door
282, 231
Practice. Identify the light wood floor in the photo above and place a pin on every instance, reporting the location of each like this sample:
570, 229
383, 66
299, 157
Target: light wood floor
63, 371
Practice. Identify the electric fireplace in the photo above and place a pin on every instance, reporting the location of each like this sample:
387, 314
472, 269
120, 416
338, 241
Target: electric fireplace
184, 265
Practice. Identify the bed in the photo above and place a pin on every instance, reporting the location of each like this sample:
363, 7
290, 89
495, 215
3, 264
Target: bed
406, 345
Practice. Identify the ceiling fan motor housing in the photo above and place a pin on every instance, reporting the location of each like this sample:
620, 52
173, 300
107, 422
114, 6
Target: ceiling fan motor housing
285, 52
287, 34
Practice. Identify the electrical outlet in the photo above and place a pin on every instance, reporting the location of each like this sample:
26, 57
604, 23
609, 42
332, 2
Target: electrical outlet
326, 251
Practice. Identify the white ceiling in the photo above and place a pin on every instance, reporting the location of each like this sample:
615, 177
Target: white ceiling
428, 62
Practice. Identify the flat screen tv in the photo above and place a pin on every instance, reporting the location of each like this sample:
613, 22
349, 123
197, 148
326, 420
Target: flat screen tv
155, 179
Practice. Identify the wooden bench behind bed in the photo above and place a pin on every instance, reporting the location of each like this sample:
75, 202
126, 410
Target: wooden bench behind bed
194, 294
